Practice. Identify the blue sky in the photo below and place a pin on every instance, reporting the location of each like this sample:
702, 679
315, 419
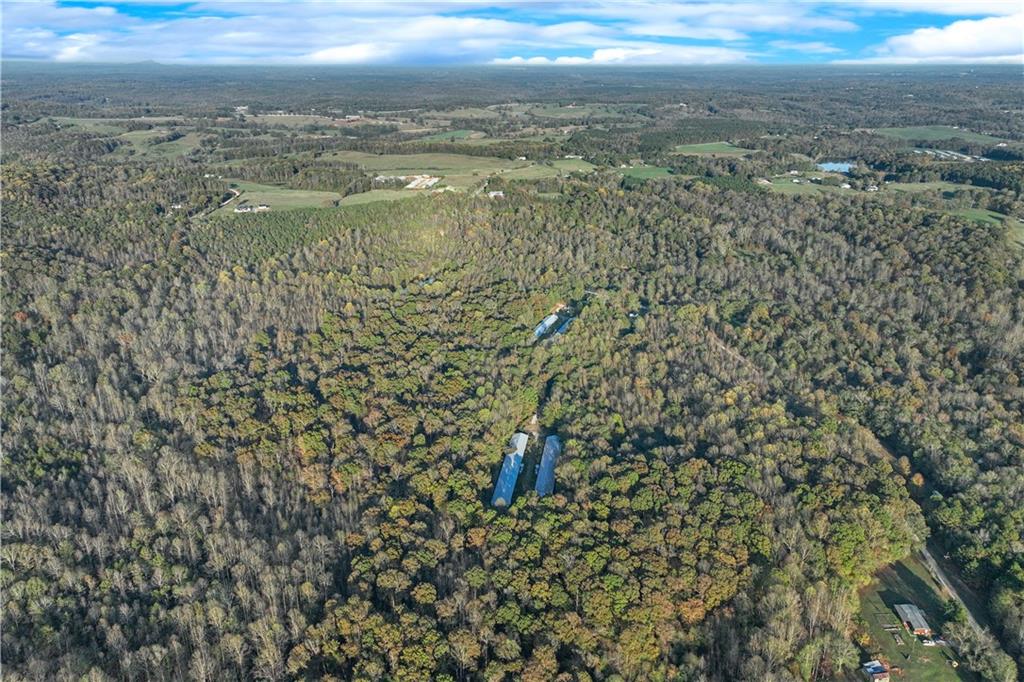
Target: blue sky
530, 32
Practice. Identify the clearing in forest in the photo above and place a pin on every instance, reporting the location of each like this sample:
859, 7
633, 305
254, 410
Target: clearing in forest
453, 135
278, 198
712, 149
907, 581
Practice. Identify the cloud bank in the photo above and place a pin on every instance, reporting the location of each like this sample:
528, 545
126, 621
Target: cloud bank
559, 32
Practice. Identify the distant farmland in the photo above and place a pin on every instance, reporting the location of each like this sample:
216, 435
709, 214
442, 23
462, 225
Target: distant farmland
711, 149
936, 134
447, 135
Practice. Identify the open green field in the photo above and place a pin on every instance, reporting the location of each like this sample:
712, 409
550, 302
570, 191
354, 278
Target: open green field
104, 126
938, 185
139, 143
291, 120
907, 581
711, 149
555, 168
278, 198
462, 112
645, 172
935, 134
567, 112
981, 215
379, 195
457, 170
785, 185
449, 135
112, 126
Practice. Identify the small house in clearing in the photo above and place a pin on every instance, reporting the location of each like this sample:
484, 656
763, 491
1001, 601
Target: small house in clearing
914, 620
510, 469
546, 471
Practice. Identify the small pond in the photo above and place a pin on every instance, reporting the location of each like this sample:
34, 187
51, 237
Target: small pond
837, 166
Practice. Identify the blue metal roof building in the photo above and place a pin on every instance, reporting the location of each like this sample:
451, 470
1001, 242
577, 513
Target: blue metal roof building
510, 469
565, 327
546, 471
545, 325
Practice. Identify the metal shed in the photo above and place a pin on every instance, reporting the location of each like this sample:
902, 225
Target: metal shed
546, 471
510, 469
545, 325
914, 619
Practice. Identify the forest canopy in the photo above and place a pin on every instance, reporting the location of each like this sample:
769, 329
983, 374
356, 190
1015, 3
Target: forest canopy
261, 444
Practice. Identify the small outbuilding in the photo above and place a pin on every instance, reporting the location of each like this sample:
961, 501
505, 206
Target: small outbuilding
876, 671
546, 470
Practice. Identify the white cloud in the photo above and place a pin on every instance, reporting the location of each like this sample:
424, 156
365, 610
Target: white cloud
965, 8
650, 54
677, 30
998, 40
813, 47
76, 46
357, 53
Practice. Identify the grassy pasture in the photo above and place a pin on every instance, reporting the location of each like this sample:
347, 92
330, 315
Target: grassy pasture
448, 135
379, 195
711, 149
557, 167
139, 143
462, 112
278, 198
938, 185
981, 215
935, 134
645, 172
785, 185
297, 120
907, 581
458, 170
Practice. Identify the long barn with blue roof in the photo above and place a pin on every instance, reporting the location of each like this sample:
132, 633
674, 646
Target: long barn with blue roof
510, 468
546, 470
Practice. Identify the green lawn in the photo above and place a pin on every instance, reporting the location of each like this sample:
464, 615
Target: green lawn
279, 198
907, 581
936, 134
645, 172
711, 149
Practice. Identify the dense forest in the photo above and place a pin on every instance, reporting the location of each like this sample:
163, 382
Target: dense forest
262, 446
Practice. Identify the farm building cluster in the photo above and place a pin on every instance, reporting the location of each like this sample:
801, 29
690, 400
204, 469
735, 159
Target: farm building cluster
550, 322
413, 181
249, 208
513, 465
